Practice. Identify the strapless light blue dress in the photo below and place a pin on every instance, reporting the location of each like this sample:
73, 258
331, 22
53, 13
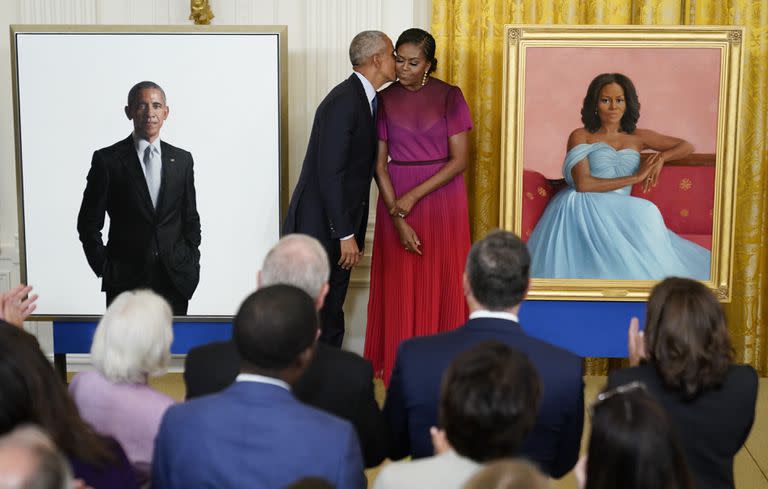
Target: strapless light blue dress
609, 235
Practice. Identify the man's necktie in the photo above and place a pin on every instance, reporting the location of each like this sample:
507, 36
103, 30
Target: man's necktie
374, 105
152, 164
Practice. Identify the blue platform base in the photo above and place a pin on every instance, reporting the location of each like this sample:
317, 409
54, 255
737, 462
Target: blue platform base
76, 337
588, 329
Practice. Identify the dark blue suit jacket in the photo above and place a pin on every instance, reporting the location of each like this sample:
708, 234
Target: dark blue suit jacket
253, 435
330, 200
414, 392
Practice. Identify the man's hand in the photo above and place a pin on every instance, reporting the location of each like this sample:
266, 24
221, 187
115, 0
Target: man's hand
635, 343
16, 305
440, 441
350, 253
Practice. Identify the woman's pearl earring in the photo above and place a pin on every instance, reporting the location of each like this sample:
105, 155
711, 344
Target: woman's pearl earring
424, 80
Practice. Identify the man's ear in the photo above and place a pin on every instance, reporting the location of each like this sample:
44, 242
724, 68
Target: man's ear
320, 299
305, 357
128, 113
465, 284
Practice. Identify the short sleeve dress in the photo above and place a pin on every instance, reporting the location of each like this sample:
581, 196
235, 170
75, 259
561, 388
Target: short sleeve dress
413, 295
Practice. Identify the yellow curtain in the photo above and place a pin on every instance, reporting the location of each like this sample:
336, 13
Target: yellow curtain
469, 37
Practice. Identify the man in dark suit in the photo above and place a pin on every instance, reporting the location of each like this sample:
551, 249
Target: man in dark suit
147, 187
330, 201
255, 433
336, 381
495, 282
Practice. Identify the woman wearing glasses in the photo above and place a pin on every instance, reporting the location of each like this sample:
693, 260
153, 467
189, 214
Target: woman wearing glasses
632, 445
685, 359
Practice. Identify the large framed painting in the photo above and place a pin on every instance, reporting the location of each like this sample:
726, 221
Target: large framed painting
619, 154
226, 106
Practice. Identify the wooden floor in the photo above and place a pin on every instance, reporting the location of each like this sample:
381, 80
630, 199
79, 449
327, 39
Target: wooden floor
751, 465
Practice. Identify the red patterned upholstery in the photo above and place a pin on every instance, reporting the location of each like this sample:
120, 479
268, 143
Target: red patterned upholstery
536, 194
684, 195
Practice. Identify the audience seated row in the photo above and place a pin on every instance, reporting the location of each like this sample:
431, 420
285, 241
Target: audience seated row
460, 403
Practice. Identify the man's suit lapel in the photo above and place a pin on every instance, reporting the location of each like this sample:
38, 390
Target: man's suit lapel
365, 106
170, 173
367, 116
130, 161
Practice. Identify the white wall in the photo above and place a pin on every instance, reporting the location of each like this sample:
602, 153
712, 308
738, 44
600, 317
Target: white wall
319, 32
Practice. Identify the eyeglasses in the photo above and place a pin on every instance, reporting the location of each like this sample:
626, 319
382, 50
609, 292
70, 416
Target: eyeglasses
622, 389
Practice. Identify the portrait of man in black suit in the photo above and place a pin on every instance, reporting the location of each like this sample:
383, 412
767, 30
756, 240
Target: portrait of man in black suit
330, 201
147, 188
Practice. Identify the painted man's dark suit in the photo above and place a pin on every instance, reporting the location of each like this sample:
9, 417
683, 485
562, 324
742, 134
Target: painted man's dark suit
330, 200
414, 392
141, 237
337, 381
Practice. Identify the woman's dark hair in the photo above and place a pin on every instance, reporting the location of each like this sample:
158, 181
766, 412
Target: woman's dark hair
488, 401
633, 445
686, 337
31, 392
422, 39
589, 109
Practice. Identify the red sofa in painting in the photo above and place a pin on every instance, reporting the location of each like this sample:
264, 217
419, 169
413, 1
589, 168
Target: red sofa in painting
684, 195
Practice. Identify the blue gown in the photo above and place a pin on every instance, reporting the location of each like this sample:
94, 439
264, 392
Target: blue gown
609, 235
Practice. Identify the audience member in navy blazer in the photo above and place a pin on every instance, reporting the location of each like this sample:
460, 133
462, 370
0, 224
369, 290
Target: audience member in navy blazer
337, 381
255, 433
495, 281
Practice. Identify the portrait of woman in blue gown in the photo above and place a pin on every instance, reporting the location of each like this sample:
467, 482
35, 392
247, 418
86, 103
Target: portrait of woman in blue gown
594, 228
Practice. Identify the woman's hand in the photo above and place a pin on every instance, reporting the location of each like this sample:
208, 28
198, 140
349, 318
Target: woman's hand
16, 305
402, 206
408, 236
635, 343
648, 167
657, 163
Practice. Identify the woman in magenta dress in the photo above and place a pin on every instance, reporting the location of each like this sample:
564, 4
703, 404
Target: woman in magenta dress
421, 238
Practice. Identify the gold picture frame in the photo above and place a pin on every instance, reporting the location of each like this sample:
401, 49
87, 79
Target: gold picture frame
691, 77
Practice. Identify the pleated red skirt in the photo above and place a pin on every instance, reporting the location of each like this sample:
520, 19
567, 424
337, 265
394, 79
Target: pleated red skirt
413, 295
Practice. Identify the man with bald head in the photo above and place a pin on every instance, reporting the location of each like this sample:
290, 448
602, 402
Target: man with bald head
337, 381
29, 460
330, 201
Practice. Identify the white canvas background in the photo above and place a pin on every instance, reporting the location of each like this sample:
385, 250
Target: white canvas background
223, 94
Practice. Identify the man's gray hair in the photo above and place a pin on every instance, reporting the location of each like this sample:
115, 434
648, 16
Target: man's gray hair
133, 339
298, 260
365, 45
50, 469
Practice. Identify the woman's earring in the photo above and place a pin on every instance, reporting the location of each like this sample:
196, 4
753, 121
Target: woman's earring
424, 80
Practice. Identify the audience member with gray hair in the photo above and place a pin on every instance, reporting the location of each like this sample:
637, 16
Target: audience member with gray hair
495, 282
132, 342
30, 460
337, 381
330, 201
